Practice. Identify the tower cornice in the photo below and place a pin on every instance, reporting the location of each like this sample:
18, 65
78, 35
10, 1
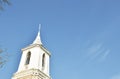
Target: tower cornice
32, 72
37, 45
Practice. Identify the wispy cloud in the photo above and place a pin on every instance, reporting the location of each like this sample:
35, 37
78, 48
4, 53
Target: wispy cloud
96, 51
116, 77
105, 54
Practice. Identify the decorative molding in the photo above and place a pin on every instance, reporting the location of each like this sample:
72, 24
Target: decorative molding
31, 72
38, 45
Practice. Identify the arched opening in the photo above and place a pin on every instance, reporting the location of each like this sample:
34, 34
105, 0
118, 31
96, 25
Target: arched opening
28, 58
43, 61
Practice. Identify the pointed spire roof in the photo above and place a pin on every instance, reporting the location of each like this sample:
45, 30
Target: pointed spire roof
38, 39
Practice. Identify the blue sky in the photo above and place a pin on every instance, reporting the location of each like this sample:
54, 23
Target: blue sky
82, 36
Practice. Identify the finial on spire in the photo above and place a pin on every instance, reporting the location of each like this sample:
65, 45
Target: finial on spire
38, 39
39, 27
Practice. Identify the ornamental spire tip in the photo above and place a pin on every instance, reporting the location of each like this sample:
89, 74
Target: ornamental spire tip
38, 39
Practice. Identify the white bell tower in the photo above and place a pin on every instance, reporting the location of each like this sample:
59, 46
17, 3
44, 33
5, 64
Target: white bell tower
34, 62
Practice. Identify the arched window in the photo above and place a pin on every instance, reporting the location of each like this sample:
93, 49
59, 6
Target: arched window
28, 58
43, 61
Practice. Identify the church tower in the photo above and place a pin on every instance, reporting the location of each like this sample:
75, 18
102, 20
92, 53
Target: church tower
34, 62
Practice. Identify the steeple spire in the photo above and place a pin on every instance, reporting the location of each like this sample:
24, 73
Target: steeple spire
38, 39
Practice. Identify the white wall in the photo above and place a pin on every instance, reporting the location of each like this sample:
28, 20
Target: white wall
35, 59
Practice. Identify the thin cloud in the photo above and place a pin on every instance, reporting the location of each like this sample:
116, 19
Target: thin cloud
104, 56
94, 48
96, 51
116, 77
